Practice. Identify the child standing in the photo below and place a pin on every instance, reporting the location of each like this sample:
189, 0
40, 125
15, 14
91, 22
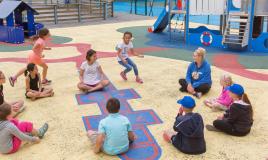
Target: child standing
36, 56
238, 119
17, 106
13, 132
34, 88
189, 129
224, 101
123, 49
114, 132
91, 75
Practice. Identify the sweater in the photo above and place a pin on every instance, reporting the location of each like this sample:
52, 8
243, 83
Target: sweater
190, 137
7, 131
239, 116
199, 75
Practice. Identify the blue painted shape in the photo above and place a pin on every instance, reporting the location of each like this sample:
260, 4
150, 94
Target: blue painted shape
145, 147
10, 20
258, 44
195, 39
31, 23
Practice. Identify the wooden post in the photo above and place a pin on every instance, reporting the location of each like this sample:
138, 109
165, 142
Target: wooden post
112, 3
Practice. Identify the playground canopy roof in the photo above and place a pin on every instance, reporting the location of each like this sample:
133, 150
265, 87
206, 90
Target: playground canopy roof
7, 7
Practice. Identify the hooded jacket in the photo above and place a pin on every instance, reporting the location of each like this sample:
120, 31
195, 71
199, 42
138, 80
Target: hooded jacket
190, 137
239, 116
197, 76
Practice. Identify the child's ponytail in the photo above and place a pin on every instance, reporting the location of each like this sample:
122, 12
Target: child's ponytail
30, 68
246, 100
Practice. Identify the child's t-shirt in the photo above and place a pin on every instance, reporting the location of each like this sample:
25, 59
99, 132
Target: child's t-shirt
116, 128
125, 48
38, 51
91, 73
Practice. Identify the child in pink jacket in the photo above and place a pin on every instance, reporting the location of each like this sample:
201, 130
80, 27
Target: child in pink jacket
224, 101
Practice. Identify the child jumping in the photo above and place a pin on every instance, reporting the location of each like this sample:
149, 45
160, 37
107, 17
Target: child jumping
91, 75
17, 106
34, 88
224, 101
189, 129
238, 119
114, 133
36, 56
13, 132
123, 49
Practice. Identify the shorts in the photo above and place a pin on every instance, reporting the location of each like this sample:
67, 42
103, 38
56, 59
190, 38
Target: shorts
34, 58
28, 91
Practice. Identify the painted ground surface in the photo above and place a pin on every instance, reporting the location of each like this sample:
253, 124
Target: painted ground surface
71, 113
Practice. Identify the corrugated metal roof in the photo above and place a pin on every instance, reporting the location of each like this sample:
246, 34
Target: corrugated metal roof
7, 7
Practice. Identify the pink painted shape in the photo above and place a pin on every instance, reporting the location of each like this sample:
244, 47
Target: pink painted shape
230, 63
82, 48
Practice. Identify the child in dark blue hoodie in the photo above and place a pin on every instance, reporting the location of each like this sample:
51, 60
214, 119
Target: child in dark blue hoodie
189, 129
198, 76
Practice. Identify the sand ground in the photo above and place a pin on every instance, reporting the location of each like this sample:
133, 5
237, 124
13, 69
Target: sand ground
66, 139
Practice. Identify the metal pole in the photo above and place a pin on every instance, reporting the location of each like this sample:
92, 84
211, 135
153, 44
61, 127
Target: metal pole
55, 14
79, 12
112, 9
135, 6
145, 7
187, 21
252, 11
104, 10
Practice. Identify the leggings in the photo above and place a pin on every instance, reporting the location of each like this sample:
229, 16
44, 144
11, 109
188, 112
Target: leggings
203, 88
25, 127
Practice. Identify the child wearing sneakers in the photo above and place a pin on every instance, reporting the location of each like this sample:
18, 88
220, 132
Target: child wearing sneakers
189, 129
17, 106
123, 49
238, 119
114, 133
13, 132
36, 56
91, 75
224, 101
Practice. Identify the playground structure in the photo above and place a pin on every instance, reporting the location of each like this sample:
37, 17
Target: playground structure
243, 23
17, 21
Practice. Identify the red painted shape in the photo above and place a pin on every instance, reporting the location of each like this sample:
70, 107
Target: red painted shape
82, 48
230, 63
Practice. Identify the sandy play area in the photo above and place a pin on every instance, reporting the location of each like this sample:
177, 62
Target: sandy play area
66, 138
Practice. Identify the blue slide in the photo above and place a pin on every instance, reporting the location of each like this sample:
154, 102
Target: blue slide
162, 21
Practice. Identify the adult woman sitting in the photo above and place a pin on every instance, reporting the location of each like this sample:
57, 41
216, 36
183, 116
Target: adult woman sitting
198, 77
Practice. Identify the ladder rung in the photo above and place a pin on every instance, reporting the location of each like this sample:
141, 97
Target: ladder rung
233, 35
237, 20
238, 14
232, 43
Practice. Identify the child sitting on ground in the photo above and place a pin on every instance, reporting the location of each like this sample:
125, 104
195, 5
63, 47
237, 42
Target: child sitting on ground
224, 101
13, 132
114, 133
238, 119
123, 49
189, 129
91, 75
34, 88
16, 106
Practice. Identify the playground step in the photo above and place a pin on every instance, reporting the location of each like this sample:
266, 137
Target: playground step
233, 43
238, 20
242, 14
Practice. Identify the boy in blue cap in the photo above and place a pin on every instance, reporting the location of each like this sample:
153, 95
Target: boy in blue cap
189, 129
238, 119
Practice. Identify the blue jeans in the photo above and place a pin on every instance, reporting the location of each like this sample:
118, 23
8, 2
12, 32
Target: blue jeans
130, 64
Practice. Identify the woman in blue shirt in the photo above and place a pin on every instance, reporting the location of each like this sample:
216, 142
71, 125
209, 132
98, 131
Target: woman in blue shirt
198, 76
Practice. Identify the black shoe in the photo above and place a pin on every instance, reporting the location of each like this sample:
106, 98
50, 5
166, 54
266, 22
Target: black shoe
211, 128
